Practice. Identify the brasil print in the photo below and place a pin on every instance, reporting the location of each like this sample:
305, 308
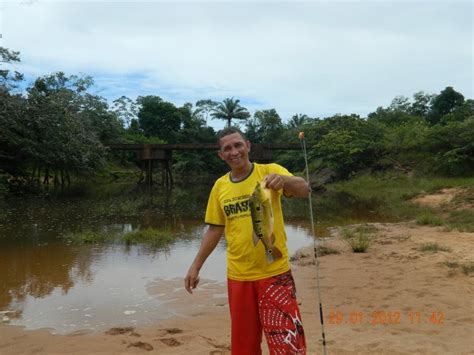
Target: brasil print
237, 207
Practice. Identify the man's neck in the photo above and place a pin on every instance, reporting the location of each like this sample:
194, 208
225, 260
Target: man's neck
240, 174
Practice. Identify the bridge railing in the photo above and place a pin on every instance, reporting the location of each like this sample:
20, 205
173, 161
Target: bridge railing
147, 153
163, 151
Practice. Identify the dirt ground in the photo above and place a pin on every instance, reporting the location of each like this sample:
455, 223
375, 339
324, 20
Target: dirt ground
393, 299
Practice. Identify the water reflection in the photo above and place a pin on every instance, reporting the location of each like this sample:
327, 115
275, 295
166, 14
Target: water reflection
99, 287
38, 271
45, 282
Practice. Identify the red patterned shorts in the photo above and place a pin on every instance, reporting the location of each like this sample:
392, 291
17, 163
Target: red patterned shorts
269, 305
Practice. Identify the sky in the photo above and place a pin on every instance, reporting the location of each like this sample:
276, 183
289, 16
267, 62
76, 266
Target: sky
317, 58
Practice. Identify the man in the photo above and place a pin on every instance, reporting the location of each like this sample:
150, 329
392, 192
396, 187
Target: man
261, 294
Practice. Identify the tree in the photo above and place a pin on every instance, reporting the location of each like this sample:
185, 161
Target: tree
64, 124
11, 110
194, 127
265, 127
460, 113
452, 147
125, 109
195, 130
230, 109
105, 123
444, 103
159, 118
206, 107
421, 104
391, 117
297, 120
400, 104
345, 143
9, 81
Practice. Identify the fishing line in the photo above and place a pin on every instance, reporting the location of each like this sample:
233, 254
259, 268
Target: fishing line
318, 287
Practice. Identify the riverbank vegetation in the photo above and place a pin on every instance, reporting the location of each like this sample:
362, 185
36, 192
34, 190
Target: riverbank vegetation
56, 131
393, 198
152, 237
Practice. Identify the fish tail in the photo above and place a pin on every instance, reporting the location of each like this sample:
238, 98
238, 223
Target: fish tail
273, 254
270, 258
276, 253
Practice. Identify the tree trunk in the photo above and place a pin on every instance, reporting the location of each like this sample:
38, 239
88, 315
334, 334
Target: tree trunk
163, 173
38, 179
34, 172
56, 180
168, 168
46, 176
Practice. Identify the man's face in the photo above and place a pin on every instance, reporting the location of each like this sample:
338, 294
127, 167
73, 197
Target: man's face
234, 150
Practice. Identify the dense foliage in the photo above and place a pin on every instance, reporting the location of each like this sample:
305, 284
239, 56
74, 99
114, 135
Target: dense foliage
54, 126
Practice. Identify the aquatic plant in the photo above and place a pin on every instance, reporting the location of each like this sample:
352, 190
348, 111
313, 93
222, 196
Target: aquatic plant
151, 236
88, 236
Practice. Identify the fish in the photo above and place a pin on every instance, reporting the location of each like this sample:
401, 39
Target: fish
262, 221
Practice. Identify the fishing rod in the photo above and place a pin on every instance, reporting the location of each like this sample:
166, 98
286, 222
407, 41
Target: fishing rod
318, 287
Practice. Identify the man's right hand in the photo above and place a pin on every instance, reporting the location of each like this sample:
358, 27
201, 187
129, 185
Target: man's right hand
208, 244
192, 279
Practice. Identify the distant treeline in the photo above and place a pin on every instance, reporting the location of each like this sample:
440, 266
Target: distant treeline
54, 127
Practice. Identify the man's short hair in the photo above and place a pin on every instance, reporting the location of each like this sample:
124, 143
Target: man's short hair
227, 131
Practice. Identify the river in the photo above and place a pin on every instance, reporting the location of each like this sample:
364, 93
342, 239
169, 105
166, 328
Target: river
48, 282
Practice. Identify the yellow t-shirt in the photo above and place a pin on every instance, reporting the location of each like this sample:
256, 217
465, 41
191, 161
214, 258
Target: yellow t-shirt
228, 206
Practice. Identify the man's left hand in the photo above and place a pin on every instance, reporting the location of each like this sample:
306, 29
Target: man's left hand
274, 181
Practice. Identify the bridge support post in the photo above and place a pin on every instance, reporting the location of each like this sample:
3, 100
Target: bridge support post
149, 174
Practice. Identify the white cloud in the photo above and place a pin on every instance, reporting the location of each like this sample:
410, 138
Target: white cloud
317, 58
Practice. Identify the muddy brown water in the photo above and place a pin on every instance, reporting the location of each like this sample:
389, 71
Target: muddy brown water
47, 282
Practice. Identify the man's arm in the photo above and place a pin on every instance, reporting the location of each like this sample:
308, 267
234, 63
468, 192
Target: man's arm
208, 244
291, 185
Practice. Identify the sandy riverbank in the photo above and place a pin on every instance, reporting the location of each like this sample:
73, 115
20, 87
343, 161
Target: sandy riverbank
393, 299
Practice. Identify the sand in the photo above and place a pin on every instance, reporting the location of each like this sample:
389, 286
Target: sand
393, 299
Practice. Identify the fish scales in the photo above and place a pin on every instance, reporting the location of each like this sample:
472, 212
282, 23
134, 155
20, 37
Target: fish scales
262, 221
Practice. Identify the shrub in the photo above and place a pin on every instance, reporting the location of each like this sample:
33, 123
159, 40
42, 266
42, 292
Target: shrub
428, 218
433, 248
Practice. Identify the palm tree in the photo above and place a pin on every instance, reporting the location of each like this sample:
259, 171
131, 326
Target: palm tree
297, 120
229, 109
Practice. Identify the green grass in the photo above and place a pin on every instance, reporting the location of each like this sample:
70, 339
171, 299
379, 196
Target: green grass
323, 250
347, 233
466, 197
88, 237
150, 236
468, 268
391, 194
428, 218
461, 220
358, 239
452, 264
365, 228
360, 243
433, 248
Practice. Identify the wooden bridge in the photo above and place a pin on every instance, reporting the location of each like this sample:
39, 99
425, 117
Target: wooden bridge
147, 154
